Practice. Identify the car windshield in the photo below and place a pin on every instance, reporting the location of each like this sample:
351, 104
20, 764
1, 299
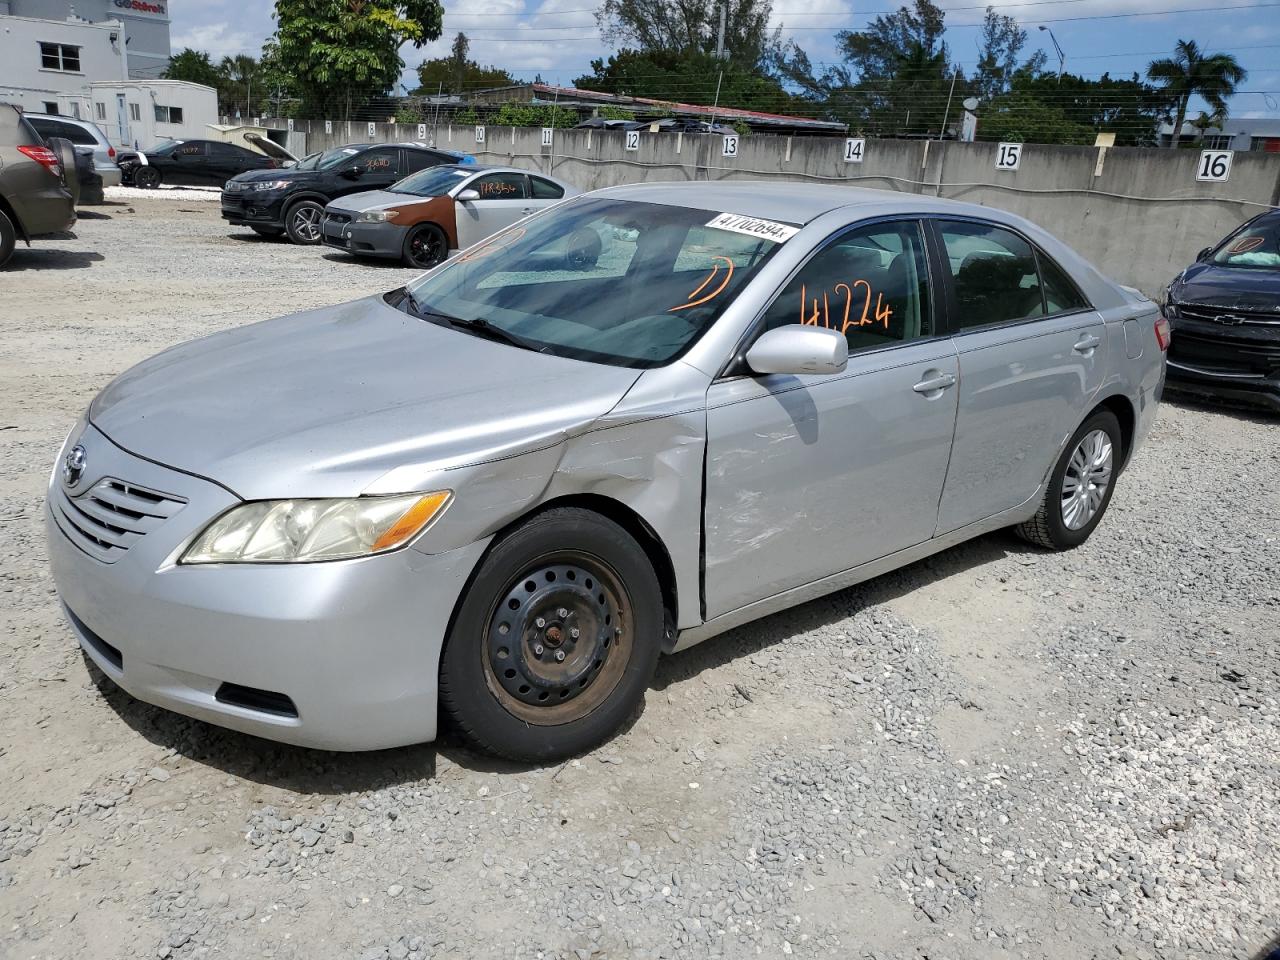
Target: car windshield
610, 281
331, 158
1256, 247
431, 182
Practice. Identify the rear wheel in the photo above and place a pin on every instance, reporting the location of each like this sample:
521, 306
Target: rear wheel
302, 222
425, 246
8, 238
267, 231
1080, 486
146, 178
556, 639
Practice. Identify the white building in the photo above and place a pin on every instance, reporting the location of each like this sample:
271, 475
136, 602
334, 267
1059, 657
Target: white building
144, 23
144, 112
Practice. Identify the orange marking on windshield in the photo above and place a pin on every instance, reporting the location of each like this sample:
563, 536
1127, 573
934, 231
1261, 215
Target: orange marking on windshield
1246, 244
715, 269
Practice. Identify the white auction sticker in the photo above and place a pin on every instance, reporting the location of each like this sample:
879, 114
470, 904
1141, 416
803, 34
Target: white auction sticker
754, 227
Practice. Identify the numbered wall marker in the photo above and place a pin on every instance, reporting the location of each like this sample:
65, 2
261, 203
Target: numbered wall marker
854, 150
1215, 165
633, 140
1008, 156
730, 148
422, 131
291, 125
328, 126
373, 129
479, 134
546, 136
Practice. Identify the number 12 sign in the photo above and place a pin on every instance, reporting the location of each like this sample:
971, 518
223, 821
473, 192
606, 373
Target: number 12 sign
1215, 165
632, 140
1008, 156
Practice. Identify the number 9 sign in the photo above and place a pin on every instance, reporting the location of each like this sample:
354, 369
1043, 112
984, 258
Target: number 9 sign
1215, 166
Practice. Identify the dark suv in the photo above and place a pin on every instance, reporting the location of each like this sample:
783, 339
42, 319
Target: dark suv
292, 201
1225, 312
34, 194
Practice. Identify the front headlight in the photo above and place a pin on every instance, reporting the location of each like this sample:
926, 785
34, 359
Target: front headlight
269, 185
296, 531
377, 216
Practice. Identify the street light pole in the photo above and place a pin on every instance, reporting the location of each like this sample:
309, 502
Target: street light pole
1062, 57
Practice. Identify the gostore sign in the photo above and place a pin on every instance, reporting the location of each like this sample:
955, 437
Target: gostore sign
141, 6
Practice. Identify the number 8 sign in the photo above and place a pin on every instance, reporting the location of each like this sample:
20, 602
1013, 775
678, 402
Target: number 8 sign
1215, 166
1008, 156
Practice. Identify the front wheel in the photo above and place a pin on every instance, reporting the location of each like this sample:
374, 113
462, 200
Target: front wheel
8, 238
556, 639
1080, 486
302, 222
425, 246
146, 178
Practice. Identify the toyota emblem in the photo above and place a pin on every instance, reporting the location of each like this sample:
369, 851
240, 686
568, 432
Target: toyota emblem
73, 465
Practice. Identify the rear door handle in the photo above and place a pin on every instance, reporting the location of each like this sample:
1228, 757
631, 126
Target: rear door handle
940, 382
1086, 344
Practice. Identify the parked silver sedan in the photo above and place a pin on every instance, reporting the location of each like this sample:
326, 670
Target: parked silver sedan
626, 424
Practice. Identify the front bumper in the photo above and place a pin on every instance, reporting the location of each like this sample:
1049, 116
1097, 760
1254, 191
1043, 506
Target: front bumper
1187, 378
339, 656
363, 239
253, 208
111, 175
1237, 362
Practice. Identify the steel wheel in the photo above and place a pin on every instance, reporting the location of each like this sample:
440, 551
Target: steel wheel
426, 247
1087, 477
146, 178
304, 222
558, 639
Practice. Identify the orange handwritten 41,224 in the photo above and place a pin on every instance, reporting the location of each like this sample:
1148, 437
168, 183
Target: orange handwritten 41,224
809, 314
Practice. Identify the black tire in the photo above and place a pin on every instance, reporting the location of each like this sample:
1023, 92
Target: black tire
1049, 528
302, 222
267, 231
426, 246
147, 178
615, 653
8, 238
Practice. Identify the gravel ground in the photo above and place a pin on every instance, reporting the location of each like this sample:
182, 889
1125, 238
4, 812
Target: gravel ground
995, 752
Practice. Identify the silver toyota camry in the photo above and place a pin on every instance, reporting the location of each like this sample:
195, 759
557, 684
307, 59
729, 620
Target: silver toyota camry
618, 428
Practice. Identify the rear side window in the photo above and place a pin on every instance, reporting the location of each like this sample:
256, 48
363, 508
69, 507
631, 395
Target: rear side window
994, 274
60, 128
1061, 295
500, 186
545, 189
384, 160
415, 160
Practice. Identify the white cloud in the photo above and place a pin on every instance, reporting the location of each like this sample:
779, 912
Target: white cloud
218, 40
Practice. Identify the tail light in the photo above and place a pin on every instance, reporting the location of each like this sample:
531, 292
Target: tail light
111, 152
1163, 333
43, 156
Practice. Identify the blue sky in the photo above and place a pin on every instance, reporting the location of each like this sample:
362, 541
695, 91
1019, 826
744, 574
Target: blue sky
558, 38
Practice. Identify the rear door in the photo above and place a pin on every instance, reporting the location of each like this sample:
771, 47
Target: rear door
503, 200
1030, 362
808, 476
380, 167
187, 163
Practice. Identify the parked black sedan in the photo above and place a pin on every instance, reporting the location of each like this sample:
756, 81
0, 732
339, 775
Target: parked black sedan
1225, 314
190, 163
292, 201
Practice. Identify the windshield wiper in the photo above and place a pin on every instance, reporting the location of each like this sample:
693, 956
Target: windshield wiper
477, 325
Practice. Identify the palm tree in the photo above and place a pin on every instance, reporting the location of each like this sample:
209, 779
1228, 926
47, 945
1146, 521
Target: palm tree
1191, 72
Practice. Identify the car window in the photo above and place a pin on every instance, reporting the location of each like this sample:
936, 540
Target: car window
415, 160
870, 283
384, 160
1061, 295
195, 148
501, 186
994, 273
220, 149
431, 182
606, 280
1256, 246
545, 189
60, 128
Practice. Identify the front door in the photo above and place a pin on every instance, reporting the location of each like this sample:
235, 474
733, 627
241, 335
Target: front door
504, 199
1030, 359
122, 121
809, 476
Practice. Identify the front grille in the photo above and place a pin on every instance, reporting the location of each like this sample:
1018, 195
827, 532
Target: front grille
1227, 317
232, 200
337, 217
1234, 356
111, 516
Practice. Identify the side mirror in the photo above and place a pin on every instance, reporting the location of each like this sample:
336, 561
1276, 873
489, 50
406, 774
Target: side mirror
798, 350
354, 172
1203, 253
466, 196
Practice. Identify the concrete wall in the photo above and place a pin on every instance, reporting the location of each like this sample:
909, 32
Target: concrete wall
1140, 215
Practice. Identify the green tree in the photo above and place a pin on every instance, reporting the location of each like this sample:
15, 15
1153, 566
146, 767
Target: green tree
1191, 72
458, 73
1128, 108
194, 66
689, 26
242, 84
688, 77
1001, 43
340, 53
1023, 118
533, 115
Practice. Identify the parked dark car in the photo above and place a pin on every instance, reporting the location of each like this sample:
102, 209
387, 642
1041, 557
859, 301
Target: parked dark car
291, 202
1225, 313
191, 163
37, 192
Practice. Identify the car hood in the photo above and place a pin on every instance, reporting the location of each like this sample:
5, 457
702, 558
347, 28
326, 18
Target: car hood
1230, 287
275, 173
323, 403
375, 200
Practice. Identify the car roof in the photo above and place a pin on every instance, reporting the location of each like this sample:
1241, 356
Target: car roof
789, 201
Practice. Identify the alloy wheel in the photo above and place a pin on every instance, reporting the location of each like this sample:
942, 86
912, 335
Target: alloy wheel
426, 249
306, 223
1085, 481
558, 639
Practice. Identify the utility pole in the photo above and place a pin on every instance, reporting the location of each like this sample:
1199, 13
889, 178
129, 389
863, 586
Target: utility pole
715, 106
1062, 57
942, 131
724, 11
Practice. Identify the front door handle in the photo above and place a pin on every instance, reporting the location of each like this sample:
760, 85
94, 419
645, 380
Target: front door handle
1086, 344
527, 210
933, 384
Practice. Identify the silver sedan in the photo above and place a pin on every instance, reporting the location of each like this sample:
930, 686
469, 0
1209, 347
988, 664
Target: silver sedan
620, 427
